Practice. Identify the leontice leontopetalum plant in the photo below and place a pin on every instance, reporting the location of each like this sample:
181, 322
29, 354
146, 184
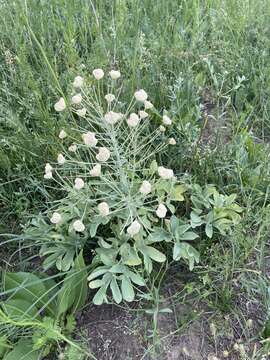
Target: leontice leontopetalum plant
120, 200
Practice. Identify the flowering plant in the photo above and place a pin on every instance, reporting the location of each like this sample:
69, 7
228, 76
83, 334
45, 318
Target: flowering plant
119, 198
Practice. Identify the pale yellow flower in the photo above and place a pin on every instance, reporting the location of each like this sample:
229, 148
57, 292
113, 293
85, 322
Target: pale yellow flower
56, 218
112, 117
165, 173
81, 112
148, 105
162, 128
140, 95
109, 98
98, 74
78, 226
48, 168
48, 175
172, 141
133, 120
89, 139
161, 211
62, 134
115, 74
134, 228
103, 209
145, 188
103, 154
60, 105
78, 82
76, 99
166, 120
143, 114
96, 171
79, 183
72, 148
61, 159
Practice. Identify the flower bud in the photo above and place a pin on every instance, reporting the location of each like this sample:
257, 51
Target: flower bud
78, 82
78, 184
103, 154
78, 226
60, 105
161, 211
56, 218
103, 209
115, 74
140, 95
98, 74
134, 228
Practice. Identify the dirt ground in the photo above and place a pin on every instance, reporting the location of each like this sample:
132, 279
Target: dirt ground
190, 332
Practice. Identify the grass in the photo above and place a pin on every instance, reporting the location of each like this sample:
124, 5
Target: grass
207, 62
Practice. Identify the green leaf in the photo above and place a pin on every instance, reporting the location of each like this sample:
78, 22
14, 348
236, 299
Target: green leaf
115, 291
4, 345
100, 296
159, 235
153, 253
189, 235
132, 258
177, 193
196, 220
80, 281
28, 287
127, 289
19, 309
73, 293
97, 272
95, 284
23, 350
136, 278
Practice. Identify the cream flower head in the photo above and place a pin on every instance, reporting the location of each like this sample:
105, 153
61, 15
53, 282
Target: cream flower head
72, 148
140, 95
166, 120
56, 218
109, 98
98, 74
78, 226
61, 159
112, 117
143, 114
162, 128
172, 141
76, 99
60, 105
48, 175
81, 112
96, 171
134, 228
48, 168
145, 188
133, 120
115, 74
161, 211
103, 209
78, 183
62, 134
78, 82
103, 154
89, 139
148, 105
165, 173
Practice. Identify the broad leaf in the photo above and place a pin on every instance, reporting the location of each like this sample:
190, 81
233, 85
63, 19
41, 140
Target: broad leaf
153, 253
23, 351
127, 289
